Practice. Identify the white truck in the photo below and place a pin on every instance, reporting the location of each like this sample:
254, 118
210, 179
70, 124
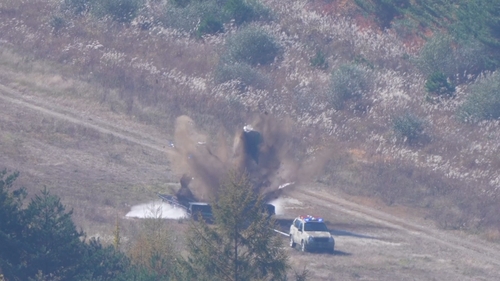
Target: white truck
311, 234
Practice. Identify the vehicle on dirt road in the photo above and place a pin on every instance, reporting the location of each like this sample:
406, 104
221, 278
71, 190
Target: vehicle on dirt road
311, 234
195, 210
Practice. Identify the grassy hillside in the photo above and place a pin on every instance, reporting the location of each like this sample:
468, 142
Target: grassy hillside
400, 93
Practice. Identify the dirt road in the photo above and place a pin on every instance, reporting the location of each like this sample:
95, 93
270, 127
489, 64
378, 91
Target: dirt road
370, 244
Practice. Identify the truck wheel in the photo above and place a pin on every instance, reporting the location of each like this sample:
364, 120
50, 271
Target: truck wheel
292, 243
303, 246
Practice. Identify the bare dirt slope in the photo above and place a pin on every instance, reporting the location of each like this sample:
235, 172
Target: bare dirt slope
101, 163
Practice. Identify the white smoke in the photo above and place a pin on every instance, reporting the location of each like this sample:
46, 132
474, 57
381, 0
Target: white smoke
156, 209
281, 204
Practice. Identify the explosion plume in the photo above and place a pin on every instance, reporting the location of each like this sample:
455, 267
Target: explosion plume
266, 149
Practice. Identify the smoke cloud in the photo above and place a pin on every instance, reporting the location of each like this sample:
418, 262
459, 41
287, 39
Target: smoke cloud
266, 148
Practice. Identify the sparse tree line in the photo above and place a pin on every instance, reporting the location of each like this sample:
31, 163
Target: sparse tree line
39, 241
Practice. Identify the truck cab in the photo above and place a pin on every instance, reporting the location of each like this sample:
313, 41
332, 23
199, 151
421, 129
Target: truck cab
311, 233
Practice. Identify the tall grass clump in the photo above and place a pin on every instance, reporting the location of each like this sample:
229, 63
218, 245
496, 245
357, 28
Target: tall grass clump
483, 101
350, 82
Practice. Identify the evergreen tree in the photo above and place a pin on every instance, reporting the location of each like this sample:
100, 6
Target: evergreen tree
41, 243
100, 263
10, 224
52, 243
241, 245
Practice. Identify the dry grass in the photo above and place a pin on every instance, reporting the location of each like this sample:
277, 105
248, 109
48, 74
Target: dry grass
157, 74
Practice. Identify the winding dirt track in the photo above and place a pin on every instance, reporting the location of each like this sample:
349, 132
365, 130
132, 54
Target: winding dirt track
476, 249
462, 248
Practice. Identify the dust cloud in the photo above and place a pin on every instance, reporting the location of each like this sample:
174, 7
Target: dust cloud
268, 150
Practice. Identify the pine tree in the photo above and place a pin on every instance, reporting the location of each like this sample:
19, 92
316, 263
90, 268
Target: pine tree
102, 263
41, 242
241, 245
52, 243
10, 224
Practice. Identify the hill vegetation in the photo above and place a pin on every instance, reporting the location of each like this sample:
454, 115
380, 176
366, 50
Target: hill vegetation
403, 95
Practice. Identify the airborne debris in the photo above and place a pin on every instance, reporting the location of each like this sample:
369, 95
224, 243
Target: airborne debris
285, 185
267, 149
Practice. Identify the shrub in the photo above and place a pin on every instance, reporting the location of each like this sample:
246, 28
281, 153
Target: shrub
239, 11
319, 61
208, 16
442, 54
405, 27
209, 25
436, 56
244, 11
123, 11
438, 85
180, 3
76, 6
471, 57
348, 82
242, 72
57, 23
384, 10
252, 45
197, 17
387, 10
483, 102
408, 128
